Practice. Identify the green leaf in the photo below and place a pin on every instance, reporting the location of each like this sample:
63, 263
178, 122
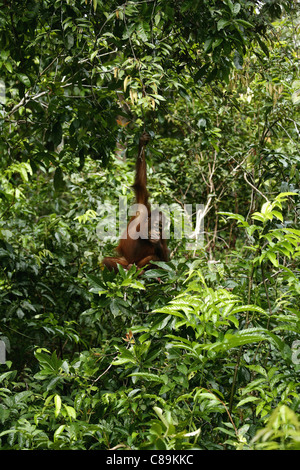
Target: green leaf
247, 400
222, 24
24, 79
95, 281
248, 308
58, 431
56, 134
236, 9
283, 196
170, 310
133, 284
263, 46
272, 257
259, 369
278, 215
237, 217
9, 374
244, 23
9, 67
208, 44
240, 338
70, 412
125, 357
238, 60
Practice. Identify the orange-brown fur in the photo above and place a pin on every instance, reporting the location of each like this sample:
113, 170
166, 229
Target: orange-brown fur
140, 251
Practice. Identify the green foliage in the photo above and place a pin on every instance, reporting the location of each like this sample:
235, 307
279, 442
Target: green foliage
281, 431
173, 372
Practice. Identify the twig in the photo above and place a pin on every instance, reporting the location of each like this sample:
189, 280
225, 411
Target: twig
110, 365
255, 188
106, 370
227, 411
25, 100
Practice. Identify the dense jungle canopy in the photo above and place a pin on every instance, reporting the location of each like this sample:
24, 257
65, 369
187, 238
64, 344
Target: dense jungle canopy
203, 351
